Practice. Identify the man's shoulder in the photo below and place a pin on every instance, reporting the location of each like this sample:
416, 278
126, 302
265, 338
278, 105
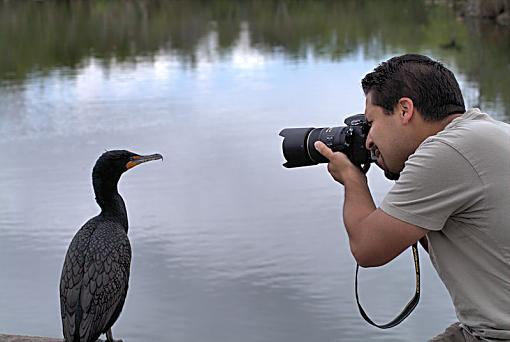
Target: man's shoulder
472, 127
474, 135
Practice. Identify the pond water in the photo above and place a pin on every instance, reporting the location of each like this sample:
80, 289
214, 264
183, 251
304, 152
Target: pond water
227, 244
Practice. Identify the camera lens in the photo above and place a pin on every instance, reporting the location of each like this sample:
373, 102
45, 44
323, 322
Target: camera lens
299, 150
329, 136
295, 147
298, 144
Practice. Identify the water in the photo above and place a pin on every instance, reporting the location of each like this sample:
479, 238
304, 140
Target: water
227, 244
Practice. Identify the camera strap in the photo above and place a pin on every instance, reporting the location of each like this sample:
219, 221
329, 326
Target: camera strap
408, 308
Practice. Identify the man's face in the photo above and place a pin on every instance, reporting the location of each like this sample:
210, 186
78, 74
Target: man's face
386, 138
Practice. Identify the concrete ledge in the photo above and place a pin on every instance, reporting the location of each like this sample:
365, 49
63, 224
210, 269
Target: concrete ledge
18, 338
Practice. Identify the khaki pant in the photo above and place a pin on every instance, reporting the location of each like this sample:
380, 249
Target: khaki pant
455, 333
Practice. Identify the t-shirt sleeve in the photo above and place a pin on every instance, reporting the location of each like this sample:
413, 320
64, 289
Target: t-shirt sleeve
436, 183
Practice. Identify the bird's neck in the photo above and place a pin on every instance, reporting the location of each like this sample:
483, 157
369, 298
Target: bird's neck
111, 202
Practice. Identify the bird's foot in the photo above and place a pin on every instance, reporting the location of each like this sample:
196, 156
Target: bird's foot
109, 337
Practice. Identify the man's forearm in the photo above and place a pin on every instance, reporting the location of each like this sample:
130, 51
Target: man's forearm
358, 204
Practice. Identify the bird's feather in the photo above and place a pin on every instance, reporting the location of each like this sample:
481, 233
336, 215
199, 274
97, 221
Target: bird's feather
95, 279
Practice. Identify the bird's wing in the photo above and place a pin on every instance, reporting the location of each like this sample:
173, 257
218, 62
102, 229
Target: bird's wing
105, 279
71, 278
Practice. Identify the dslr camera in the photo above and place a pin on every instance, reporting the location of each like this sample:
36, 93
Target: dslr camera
299, 150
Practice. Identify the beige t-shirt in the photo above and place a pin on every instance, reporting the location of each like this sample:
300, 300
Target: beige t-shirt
457, 185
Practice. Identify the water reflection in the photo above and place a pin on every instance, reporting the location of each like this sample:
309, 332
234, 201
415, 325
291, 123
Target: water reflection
194, 32
227, 245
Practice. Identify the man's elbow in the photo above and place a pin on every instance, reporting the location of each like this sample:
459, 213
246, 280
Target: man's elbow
366, 258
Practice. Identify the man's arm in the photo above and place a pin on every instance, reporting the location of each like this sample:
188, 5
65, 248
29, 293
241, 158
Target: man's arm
375, 237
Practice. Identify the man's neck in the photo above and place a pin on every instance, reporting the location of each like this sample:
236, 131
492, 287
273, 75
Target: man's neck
440, 125
427, 129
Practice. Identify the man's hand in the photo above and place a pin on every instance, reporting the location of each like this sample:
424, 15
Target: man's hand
340, 167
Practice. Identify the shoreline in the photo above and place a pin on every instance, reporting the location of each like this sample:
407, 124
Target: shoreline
22, 338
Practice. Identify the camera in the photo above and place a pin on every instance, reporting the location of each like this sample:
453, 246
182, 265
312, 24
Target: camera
299, 150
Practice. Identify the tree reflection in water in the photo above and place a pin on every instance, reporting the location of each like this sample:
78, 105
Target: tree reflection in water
37, 37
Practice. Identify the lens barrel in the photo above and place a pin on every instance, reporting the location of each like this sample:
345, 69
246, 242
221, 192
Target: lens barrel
299, 150
298, 144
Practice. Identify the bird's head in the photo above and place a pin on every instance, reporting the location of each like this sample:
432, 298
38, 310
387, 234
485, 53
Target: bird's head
112, 164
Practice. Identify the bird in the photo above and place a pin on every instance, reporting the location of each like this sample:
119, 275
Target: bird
95, 274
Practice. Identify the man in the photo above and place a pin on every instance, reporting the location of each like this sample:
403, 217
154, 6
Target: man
452, 192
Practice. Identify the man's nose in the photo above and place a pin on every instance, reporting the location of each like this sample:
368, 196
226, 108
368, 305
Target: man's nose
369, 143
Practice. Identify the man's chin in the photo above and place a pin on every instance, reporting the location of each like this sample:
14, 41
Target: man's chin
388, 174
391, 176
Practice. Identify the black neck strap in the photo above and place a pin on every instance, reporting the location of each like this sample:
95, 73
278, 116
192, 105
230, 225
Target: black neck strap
408, 308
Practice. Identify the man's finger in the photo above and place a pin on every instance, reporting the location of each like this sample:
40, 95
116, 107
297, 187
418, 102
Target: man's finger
324, 150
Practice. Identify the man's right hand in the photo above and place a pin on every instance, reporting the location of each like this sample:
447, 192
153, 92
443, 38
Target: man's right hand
340, 167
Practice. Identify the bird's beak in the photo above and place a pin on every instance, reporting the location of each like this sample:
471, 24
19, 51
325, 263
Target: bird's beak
137, 160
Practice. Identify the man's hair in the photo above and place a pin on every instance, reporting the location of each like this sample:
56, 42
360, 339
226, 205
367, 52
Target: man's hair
431, 86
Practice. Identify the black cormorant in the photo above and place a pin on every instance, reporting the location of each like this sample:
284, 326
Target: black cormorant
95, 275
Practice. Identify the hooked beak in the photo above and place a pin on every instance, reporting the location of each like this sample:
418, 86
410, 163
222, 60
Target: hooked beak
137, 160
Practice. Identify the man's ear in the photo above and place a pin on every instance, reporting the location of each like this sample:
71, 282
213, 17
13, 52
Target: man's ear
405, 110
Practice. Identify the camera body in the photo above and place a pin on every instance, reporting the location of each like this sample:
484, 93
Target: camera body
299, 150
